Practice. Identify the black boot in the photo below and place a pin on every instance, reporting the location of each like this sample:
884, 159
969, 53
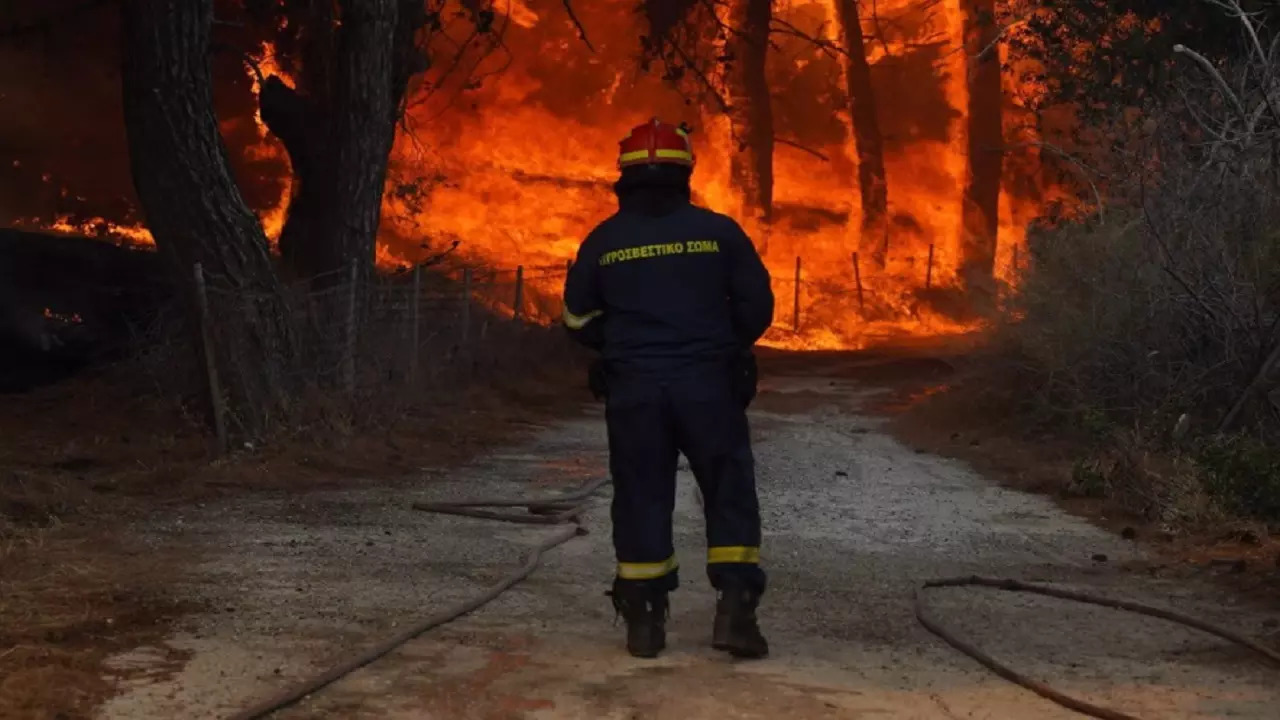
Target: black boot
645, 612
736, 630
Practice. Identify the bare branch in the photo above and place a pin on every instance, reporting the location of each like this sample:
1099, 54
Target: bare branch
798, 146
440, 256
1084, 169
1235, 11
1217, 76
582, 31
826, 46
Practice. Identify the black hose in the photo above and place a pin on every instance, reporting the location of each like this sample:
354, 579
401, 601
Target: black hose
568, 508
562, 509
1039, 688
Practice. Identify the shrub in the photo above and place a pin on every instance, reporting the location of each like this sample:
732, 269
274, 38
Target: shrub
1164, 312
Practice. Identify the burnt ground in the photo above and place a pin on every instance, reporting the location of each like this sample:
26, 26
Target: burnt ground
288, 582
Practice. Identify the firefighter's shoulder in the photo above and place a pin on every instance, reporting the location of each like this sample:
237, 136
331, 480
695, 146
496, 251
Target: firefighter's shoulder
719, 226
599, 238
712, 217
606, 229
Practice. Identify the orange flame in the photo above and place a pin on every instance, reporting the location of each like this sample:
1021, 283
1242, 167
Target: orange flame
519, 169
525, 177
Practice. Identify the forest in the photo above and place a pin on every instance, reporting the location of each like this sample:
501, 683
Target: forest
270, 267
1089, 183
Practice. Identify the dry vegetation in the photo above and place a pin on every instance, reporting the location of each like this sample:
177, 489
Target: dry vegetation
1139, 355
82, 459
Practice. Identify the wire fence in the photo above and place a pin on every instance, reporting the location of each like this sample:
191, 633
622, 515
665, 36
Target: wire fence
382, 344
388, 339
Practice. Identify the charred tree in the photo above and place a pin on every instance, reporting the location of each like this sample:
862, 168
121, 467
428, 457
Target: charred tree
338, 126
192, 205
750, 104
873, 185
986, 148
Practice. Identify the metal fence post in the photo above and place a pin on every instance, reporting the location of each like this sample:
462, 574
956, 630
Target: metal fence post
518, 308
928, 273
795, 308
415, 303
211, 368
857, 279
349, 352
466, 305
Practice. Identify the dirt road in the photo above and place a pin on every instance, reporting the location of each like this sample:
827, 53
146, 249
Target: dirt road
854, 522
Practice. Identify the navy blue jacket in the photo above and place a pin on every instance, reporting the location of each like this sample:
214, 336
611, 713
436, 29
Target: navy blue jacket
657, 294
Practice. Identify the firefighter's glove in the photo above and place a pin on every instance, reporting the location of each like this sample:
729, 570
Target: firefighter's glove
597, 379
745, 377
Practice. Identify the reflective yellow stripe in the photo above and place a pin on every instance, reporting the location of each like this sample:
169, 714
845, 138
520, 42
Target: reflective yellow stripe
737, 554
646, 571
577, 322
660, 153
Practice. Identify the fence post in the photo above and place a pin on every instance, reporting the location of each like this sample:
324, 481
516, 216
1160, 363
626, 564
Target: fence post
857, 278
349, 352
211, 368
415, 302
517, 309
928, 273
466, 305
795, 307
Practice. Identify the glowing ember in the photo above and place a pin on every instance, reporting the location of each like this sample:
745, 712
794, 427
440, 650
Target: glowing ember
130, 235
72, 319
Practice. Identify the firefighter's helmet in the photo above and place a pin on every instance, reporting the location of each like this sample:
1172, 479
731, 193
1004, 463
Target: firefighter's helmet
656, 142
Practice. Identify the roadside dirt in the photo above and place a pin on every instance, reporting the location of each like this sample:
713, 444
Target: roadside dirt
943, 413
854, 521
85, 463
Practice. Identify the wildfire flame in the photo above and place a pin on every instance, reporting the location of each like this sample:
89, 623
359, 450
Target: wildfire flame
518, 170
529, 168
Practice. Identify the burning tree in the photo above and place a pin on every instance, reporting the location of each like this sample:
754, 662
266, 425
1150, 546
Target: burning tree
872, 183
716, 52
193, 206
353, 61
749, 103
981, 213
823, 144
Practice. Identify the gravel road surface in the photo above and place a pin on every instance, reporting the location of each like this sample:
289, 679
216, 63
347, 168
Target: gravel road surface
854, 522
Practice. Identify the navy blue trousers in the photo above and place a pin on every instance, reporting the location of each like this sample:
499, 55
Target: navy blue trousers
651, 422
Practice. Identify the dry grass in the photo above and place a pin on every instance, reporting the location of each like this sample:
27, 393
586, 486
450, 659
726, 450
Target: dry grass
69, 598
82, 458
1126, 484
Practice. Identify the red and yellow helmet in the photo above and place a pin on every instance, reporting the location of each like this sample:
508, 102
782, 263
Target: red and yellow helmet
656, 142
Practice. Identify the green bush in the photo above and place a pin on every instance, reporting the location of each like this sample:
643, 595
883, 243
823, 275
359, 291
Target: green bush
1242, 474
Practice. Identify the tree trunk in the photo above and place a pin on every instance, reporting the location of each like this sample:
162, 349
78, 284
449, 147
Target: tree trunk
193, 207
339, 127
750, 105
872, 184
986, 153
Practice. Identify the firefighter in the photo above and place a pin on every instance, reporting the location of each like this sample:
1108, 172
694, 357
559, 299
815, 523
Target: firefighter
674, 296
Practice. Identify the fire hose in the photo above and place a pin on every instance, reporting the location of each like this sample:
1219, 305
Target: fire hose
1039, 688
567, 510
560, 510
